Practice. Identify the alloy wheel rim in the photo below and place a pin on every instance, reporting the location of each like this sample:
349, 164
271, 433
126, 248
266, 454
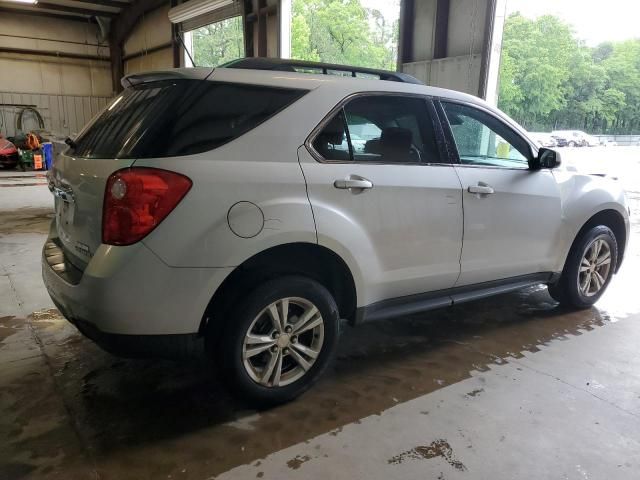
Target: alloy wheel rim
283, 342
595, 268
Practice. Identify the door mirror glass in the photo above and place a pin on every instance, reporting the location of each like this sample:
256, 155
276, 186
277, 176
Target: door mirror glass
547, 158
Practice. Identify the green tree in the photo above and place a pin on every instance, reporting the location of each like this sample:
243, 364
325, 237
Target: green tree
623, 68
535, 67
549, 79
343, 32
218, 42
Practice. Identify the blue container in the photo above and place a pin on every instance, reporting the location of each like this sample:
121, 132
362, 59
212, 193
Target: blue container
47, 150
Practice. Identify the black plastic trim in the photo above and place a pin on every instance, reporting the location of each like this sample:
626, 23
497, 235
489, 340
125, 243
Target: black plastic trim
422, 302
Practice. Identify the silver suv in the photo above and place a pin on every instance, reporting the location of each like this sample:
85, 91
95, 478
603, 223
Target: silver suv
249, 211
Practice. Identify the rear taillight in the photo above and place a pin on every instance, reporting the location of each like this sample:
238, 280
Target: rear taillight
136, 200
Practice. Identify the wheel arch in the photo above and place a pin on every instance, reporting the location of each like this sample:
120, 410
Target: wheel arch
615, 221
307, 259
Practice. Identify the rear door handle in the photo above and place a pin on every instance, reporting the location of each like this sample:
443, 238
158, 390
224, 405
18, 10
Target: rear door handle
481, 189
355, 183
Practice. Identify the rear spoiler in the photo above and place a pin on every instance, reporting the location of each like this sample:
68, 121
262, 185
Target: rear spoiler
175, 74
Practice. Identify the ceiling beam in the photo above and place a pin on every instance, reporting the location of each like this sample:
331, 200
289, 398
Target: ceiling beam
106, 3
80, 11
36, 13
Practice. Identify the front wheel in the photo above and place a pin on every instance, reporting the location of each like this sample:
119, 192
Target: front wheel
588, 269
280, 342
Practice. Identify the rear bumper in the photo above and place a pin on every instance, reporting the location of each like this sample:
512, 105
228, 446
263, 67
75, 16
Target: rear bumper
128, 291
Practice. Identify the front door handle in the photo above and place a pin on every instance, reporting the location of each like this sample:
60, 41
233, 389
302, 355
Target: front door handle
353, 183
480, 189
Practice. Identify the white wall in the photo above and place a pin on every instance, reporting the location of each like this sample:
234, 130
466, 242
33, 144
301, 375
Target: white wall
67, 92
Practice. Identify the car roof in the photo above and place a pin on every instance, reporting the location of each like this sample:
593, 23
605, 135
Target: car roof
289, 79
341, 86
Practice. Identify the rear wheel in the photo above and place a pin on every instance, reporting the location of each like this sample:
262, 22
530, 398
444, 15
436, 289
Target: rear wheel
588, 269
281, 341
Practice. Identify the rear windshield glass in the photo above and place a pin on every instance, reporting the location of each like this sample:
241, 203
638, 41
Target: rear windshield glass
178, 117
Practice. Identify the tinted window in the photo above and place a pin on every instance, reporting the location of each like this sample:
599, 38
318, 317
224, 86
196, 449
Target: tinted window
332, 142
179, 117
385, 129
482, 139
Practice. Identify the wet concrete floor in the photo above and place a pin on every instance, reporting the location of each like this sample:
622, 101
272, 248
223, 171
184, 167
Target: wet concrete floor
509, 387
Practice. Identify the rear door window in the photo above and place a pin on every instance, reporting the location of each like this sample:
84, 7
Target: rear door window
179, 117
382, 129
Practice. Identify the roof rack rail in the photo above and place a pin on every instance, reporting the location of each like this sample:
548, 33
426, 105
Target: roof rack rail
302, 66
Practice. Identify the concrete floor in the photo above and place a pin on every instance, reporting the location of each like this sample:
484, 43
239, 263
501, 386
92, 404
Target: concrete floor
510, 387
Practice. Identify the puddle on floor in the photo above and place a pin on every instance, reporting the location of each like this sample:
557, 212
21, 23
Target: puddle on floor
26, 220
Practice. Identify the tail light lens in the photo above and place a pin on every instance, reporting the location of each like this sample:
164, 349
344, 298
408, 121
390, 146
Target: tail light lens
136, 200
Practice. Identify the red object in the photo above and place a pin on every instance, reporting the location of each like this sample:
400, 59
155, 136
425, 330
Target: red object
136, 200
7, 148
8, 153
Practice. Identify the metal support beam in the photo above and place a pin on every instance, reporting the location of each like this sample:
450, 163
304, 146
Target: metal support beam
442, 29
122, 26
405, 42
248, 18
49, 15
147, 51
117, 66
486, 50
262, 28
80, 11
176, 45
107, 3
128, 18
44, 53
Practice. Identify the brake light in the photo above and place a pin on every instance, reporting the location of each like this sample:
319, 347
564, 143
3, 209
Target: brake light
136, 200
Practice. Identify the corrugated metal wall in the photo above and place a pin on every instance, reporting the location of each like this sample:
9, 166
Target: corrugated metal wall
63, 115
66, 91
141, 52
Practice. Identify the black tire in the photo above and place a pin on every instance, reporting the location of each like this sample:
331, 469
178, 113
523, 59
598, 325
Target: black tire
566, 290
231, 346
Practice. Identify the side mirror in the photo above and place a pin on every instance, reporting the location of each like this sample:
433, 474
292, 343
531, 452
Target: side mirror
546, 158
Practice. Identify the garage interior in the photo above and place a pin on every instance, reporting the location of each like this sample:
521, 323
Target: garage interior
509, 387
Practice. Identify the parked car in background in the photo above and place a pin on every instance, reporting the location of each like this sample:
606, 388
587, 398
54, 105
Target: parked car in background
560, 140
236, 209
575, 138
544, 139
8, 153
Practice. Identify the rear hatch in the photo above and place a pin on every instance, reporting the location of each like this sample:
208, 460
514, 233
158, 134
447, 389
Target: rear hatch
162, 114
130, 127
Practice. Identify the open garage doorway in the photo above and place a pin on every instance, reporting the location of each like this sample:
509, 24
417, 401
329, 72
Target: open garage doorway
361, 33
216, 43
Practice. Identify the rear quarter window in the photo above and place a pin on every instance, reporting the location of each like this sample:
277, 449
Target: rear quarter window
179, 117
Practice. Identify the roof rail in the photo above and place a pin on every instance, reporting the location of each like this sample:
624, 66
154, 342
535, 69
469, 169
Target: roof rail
302, 66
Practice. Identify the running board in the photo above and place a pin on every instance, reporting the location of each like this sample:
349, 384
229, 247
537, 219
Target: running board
397, 307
